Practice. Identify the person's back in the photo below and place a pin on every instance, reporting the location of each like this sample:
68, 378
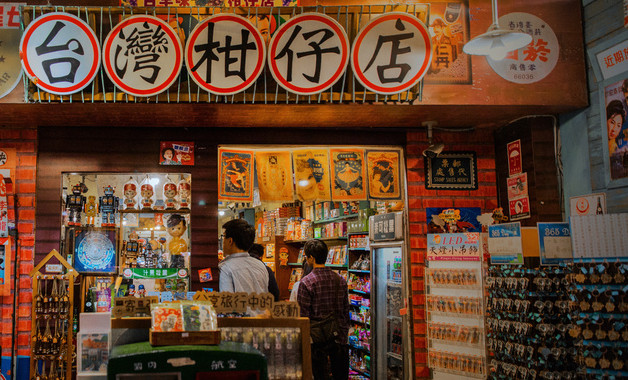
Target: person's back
239, 272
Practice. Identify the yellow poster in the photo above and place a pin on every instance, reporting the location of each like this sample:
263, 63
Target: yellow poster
348, 174
311, 174
274, 176
383, 174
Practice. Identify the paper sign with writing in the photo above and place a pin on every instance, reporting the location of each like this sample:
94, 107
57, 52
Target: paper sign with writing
286, 310
514, 157
452, 170
517, 186
591, 204
132, 306
614, 60
504, 243
519, 208
554, 243
454, 247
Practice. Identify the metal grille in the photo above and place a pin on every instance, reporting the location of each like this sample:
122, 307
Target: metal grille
264, 91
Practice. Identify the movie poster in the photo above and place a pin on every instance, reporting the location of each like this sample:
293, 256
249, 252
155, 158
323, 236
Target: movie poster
311, 174
616, 96
235, 175
348, 173
449, 28
274, 176
383, 174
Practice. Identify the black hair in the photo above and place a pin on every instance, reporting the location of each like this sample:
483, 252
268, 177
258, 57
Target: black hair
306, 269
615, 108
242, 233
316, 248
163, 153
175, 219
257, 251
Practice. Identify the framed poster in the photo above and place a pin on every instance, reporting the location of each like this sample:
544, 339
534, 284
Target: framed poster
451, 171
95, 250
383, 174
235, 175
311, 174
348, 173
274, 176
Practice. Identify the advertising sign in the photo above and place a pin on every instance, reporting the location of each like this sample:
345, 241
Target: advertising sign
554, 243
514, 157
504, 243
10, 33
454, 247
519, 208
592, 204
452, 170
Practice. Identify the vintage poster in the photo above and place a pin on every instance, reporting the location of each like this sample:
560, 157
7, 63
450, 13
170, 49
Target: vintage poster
311, 174
519, 208
176, 153
517, 186
383, 174
514, 157
348, 174
235, 176
274, 176
449, 29
616, 106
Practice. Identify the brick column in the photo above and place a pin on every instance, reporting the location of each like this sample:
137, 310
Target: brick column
480, 141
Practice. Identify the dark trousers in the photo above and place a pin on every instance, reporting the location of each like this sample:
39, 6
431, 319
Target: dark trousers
332, 358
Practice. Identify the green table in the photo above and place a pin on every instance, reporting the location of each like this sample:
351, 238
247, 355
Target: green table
237, 361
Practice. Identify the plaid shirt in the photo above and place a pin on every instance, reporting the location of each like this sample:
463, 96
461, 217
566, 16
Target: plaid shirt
323, 292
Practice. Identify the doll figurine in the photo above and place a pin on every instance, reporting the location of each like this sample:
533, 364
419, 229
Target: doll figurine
74, 203
170, 193
108, 206
91, 209
185, 190
147, 193
130, 191
141, 291
176, 227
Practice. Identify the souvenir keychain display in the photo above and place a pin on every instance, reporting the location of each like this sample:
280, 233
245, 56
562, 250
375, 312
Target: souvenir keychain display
600, 296
529, 323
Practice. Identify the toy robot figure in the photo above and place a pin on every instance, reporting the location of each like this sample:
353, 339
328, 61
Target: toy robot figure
130, 191
170, 192
131, 249
91, 209
108, 206
185, 193
74, 203
147, 196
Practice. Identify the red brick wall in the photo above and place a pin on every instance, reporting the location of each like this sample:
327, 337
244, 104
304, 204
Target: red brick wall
480, 141
25, 143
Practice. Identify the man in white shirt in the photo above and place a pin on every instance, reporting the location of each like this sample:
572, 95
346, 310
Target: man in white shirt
239, 272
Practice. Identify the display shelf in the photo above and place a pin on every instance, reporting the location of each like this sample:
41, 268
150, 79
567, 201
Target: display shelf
461, 373
359, 271
365, 373
352, 345
457, 315
359, 292
457, 343
337, 266
360, 306
336, 219
360, 322
295, 264
452, 286
153, 211
334, 238
359, 249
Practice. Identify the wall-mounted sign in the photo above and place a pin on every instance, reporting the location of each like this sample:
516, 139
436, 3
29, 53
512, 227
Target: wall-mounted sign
454, 247
387, 226
60, 53
155, 273
308, 54
514, 157
391, 53
142, 55
533, 62
225, 54
504, 243
554, 243
452, 170
519, 208
614, 60
517, 186
592, 204
10, 33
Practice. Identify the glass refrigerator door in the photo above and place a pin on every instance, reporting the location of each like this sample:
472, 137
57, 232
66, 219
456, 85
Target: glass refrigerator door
388, 297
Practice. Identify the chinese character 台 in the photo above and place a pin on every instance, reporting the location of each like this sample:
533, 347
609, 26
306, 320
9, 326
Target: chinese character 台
72, 45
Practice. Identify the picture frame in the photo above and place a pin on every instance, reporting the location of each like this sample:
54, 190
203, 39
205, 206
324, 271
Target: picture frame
95, 250
452, 171
93, 352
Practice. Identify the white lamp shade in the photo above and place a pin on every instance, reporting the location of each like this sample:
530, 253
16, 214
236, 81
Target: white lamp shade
497, 42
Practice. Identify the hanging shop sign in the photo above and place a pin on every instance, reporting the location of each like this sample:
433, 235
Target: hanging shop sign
60, 53
504, 243
554, 243
235, 176
308, 54
451, 170
454, 247
225, 54
514, 157
391, 53
10, 33
142, 55
383, 174
533, 62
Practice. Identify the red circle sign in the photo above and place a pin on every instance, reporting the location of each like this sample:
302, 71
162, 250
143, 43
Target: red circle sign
60, 53
309, 53
239, 59
142, 55
391, 53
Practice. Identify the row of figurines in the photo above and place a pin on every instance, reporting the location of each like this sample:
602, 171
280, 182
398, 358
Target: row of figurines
144, 256
177, 197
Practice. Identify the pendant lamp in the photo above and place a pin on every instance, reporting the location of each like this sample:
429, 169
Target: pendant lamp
496, 42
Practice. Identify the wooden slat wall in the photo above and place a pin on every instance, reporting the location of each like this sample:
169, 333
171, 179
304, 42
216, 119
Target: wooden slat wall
136, 150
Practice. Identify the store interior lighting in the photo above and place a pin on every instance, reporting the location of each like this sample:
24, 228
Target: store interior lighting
496, 42
434, 149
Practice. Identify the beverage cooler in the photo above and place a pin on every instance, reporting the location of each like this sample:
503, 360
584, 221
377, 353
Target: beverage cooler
390, 332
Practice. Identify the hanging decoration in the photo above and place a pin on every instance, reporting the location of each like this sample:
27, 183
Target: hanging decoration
311, 174
235, 175
274, 176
